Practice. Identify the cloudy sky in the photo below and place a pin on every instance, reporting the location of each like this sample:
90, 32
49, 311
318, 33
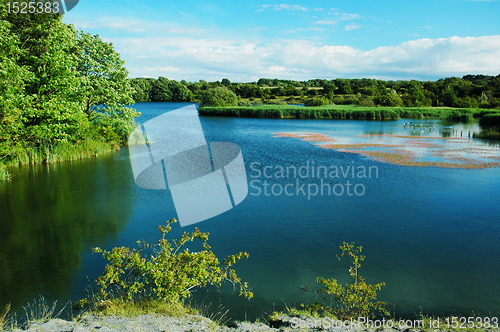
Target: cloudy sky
244, 40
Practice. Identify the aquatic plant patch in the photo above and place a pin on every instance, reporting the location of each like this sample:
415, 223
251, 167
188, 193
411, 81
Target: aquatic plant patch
412, 151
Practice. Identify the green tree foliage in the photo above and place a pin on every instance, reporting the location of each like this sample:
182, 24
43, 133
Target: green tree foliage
50, 112
169, 90
468, 92
352, 300
389, 98
105, 89
166, 271
142, 88
12, 78
57, 87
220, 96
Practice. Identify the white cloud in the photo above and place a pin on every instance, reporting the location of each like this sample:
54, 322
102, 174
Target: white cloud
352, 27
339, 17
288, 7
241, 60
168, 69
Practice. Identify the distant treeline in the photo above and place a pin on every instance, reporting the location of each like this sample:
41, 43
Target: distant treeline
470, 91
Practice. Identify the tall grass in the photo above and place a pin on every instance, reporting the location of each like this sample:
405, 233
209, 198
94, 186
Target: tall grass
41, 311
349, 112
63, 151
4, 173
6, 319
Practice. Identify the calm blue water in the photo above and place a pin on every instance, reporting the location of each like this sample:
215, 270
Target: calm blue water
431, 234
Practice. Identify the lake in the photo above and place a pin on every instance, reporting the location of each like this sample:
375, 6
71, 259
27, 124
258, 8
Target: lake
432, 234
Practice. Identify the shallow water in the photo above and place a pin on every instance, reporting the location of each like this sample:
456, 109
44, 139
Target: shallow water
431, 234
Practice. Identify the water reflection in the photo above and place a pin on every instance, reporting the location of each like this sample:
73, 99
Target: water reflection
49, 215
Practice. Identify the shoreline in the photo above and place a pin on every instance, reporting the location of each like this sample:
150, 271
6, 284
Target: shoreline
282, 323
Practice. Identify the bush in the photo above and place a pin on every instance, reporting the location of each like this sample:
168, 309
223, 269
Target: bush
220, 96
244, 102
350, 300
317, 101
169, 274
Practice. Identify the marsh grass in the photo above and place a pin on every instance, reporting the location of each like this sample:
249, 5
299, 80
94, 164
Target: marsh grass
62, 152
348, 112
4, 173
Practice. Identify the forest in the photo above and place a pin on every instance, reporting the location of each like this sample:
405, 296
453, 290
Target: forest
470, 91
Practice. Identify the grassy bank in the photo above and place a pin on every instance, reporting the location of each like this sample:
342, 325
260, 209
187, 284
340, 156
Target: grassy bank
348, 112
61, 152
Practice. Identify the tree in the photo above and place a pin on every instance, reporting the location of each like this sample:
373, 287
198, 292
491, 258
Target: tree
180, 92
142, 88
105, 89
12, 77
58, 86
226, 82
161, 90
389, 98
51, 111
218, 97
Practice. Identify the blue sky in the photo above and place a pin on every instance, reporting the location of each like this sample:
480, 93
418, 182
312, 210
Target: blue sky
246, 40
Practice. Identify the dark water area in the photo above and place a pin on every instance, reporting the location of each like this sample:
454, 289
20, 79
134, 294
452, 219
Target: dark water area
431, 234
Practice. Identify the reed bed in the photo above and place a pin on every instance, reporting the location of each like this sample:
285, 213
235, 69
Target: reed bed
64, 151
348, 112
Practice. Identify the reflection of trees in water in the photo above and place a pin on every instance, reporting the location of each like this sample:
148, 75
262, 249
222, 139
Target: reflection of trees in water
50, 215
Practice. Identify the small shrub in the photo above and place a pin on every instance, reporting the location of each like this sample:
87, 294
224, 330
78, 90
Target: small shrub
344, 302
316, 101
170, 274
245, 102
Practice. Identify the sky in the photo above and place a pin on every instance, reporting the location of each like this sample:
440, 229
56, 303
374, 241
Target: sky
243, 41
